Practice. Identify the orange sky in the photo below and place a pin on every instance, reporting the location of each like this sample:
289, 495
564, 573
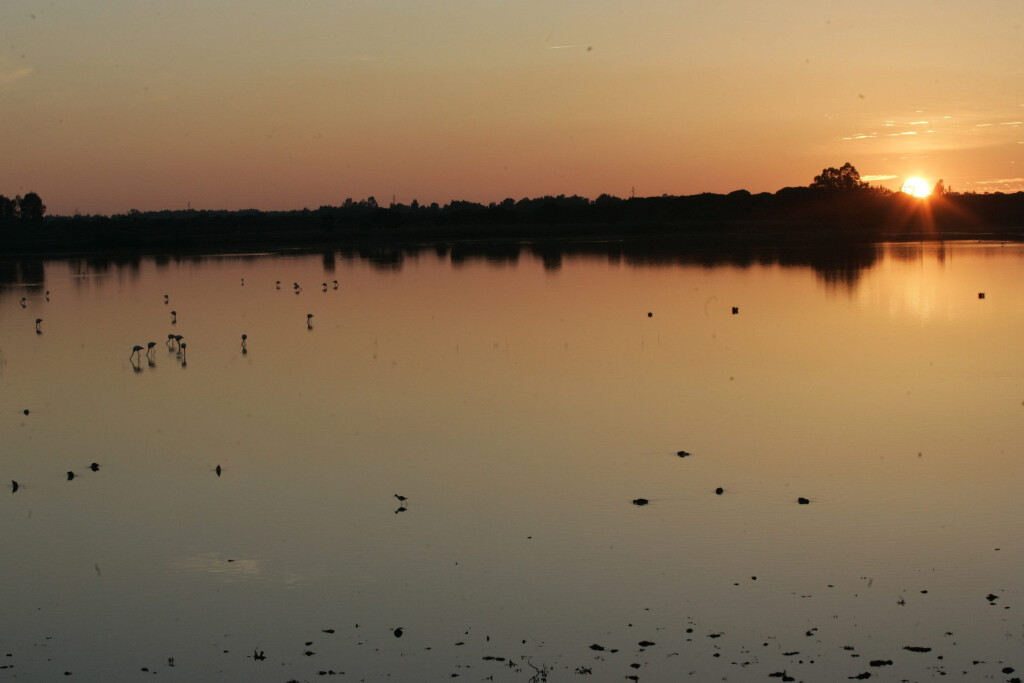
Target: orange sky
107, 106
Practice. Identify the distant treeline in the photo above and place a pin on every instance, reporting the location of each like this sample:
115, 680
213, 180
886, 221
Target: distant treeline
793, 214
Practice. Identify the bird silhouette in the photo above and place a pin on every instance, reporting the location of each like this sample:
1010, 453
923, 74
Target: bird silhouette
95, 467
401, 499
136, 350
149, 348
335, 284
14, 486
309, 320
39, 321
71, 475
218, 470
174, 317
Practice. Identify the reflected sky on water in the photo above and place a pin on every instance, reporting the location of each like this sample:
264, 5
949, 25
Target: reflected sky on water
521, 399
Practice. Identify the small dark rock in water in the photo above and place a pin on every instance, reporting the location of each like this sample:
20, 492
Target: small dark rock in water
398, 632
682, 454
26, 411
802, 501
71, 475
95, 467
597, 647
915, 648
640, 501
735, 310
719, 490
881, 662
645, 643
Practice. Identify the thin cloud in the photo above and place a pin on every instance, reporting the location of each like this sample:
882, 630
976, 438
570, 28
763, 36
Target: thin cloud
872, 178
12, 77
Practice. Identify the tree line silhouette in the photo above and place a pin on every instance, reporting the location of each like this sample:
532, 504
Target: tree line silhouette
837, 207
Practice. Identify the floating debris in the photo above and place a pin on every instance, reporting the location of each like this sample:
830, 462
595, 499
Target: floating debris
683, 454
803, 501
916, 648
640, 501
719, 491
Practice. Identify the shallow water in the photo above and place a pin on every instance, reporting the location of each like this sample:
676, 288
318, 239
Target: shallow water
520, 404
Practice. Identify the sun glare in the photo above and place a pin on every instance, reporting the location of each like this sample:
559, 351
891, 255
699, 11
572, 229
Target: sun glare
916, 187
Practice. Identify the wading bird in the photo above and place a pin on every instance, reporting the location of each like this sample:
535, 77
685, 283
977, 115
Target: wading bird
149, 348
244, 337
309, 320
136, 350
39, 321
174, 317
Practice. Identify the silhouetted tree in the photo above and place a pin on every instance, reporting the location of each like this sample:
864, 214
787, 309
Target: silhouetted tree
940, 188
31, 207
8, 208
839, 179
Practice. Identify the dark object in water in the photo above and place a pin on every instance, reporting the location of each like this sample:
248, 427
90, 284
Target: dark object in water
26, 411
735, 310
916, 648
14, 486
258, 655
71, 475
95, 467
719, 490
991, 598
645, 643
803, 501
981, 295
398, 632
640, 501
860, 677
880, 662
401, 499
218, 470
650, 314
683, 454
597, 647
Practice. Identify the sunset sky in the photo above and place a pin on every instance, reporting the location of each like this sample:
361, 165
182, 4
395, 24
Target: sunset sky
109, 105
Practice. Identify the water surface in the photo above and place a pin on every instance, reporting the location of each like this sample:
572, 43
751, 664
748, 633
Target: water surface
520, 402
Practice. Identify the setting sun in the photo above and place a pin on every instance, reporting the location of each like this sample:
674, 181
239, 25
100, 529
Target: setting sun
916, 187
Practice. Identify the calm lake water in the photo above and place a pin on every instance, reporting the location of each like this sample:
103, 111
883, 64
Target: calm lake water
521, 402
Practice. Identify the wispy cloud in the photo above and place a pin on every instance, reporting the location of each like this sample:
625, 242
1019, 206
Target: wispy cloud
8, 78
872, 178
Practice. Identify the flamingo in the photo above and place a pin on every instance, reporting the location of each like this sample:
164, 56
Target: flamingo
149, 348
23, 300
174, 317
277, 285
165, 299
135, 350
335, 284
170, 338
324, 286
39, 321
309, 320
